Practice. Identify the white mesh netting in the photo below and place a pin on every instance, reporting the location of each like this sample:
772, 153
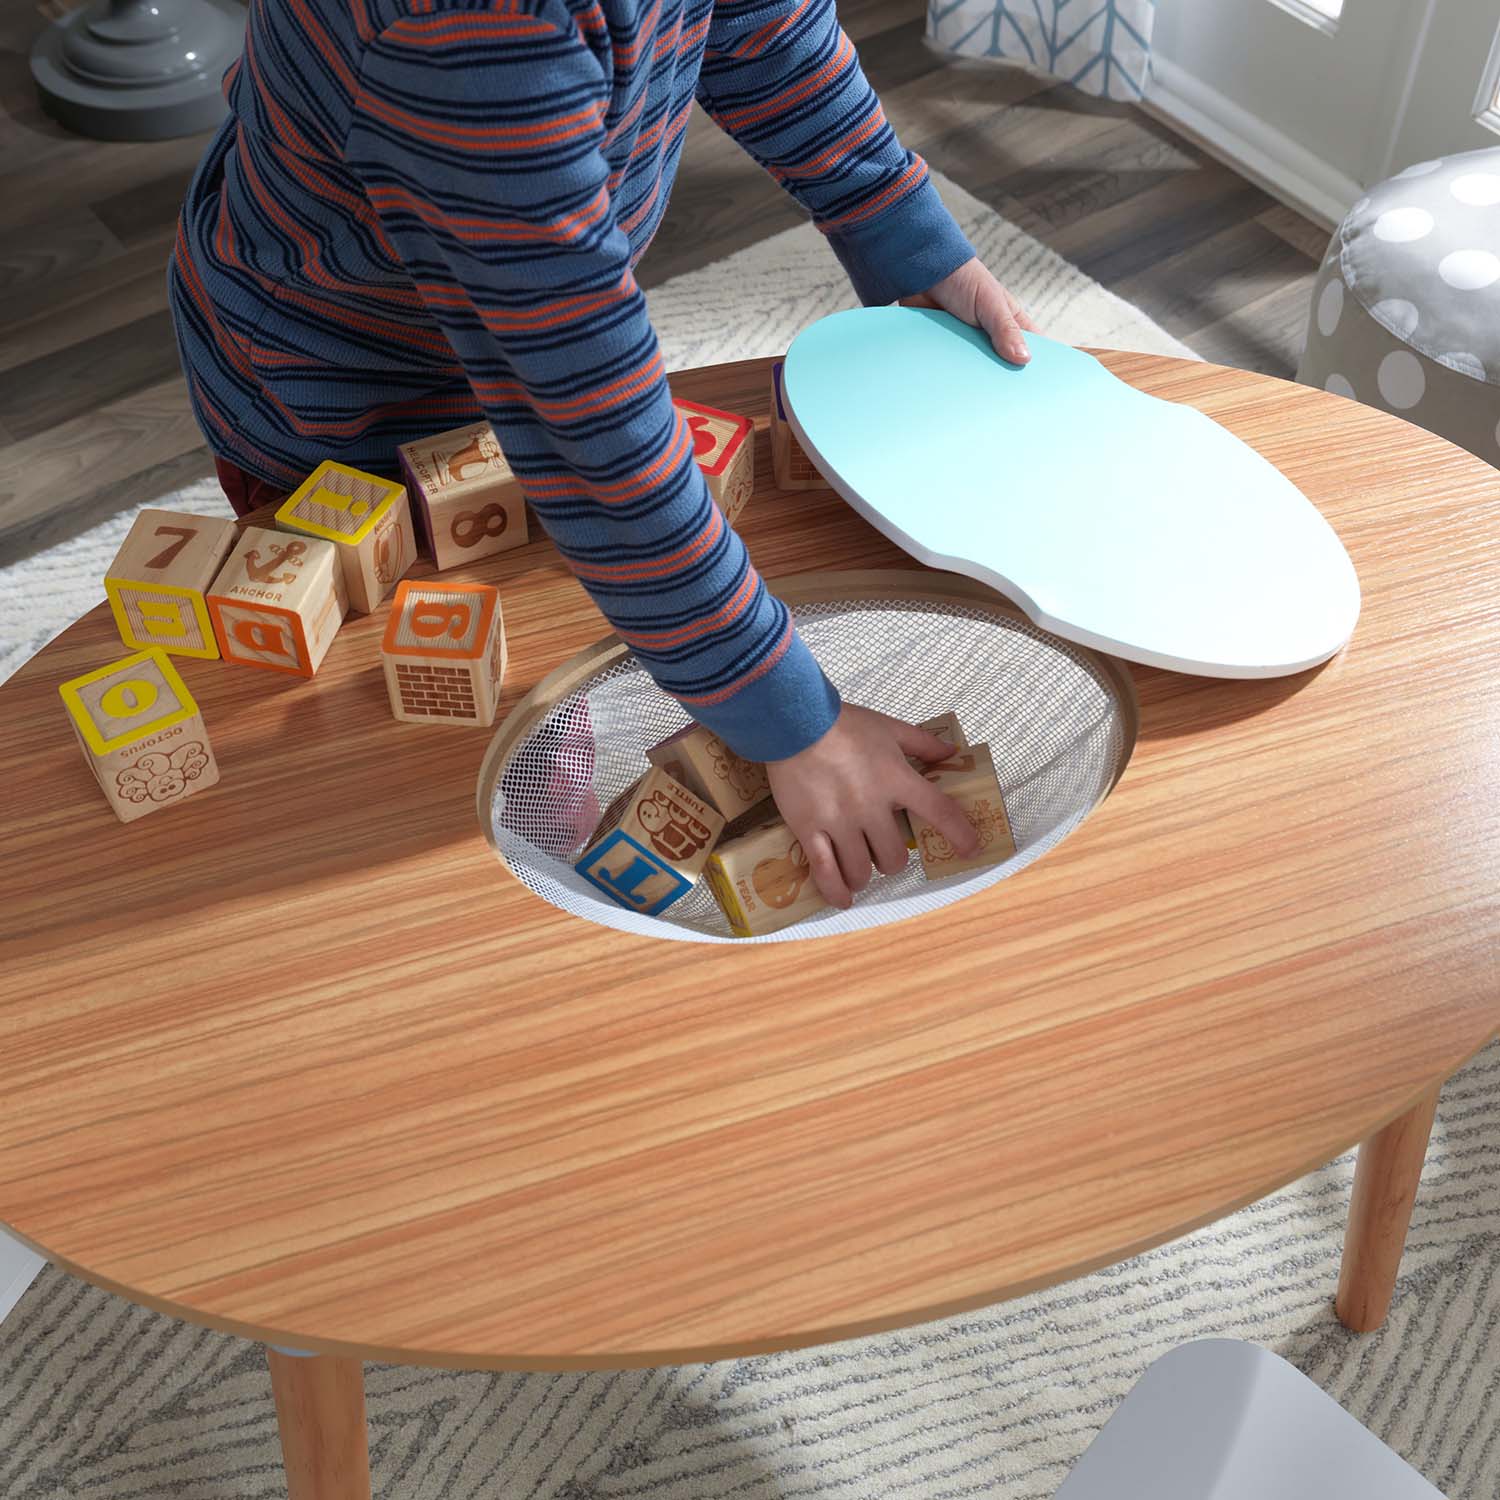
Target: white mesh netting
1056, 721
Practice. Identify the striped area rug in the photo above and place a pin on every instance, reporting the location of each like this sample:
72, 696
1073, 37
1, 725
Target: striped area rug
102, 1399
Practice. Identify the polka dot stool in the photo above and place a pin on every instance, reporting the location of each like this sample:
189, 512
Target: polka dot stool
1406, 308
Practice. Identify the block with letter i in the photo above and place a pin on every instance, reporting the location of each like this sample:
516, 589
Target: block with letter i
969, 778
444, 653
724, 447
157, 582
141, 733
466, 494
278, 601
651, 845
794, 469
366, 517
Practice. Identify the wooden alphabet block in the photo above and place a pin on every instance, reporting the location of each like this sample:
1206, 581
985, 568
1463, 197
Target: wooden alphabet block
651, 845
366, 517
709, 769
793, 468
946, 727
141, 733
157, 582
969, 778
723, 446
760, 877
278, 601
470, 502
444, 653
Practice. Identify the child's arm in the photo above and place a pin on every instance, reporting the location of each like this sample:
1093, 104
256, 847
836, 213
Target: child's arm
781, 77
477, 137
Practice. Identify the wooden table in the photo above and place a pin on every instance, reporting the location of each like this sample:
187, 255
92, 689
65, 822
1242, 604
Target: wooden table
298, 1060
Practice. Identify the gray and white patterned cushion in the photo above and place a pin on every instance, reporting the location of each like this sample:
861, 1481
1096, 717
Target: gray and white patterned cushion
1406, 307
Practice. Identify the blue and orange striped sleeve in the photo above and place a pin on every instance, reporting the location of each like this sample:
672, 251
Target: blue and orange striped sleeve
783, 79
478, 136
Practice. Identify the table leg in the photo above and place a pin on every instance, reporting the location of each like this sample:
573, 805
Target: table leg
1385, 1187
320, 1408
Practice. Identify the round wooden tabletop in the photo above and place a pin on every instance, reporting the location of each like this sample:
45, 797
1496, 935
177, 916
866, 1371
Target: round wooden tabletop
299, 1060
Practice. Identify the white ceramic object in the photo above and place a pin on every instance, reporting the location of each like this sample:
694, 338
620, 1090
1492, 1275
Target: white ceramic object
1126, 523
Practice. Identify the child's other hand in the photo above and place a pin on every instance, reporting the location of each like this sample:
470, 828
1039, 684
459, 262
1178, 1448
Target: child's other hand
974, 297
841, 795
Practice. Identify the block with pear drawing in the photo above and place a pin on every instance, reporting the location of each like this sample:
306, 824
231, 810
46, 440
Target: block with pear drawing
278, 601
651, 844
469, 500
444, 653
969, 778
725, 449
761, 877
141, 733
709, 769
157, 582
366, 517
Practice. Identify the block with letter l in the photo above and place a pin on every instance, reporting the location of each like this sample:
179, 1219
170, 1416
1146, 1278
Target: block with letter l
157, 582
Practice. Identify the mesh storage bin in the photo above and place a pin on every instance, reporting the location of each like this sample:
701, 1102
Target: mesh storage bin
1060, 721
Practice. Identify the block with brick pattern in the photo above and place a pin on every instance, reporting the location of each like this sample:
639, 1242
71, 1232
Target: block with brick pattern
444, 653
794, 470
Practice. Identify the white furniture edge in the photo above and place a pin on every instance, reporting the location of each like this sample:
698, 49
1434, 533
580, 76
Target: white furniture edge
18, 1269
1261, 152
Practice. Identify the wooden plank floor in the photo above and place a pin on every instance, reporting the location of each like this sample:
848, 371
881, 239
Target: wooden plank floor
94, 414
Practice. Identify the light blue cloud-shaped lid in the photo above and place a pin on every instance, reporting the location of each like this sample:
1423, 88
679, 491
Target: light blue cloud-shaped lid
1115, 519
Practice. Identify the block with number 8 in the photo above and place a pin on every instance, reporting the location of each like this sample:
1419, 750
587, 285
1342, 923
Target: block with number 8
469, 499
157, 582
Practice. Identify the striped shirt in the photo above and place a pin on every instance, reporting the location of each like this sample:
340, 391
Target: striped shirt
423, 211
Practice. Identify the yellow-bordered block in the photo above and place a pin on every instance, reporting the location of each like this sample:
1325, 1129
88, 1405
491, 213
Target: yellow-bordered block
157, 582
141, 733
368, 518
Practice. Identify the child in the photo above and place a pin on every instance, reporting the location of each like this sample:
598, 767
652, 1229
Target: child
424, 211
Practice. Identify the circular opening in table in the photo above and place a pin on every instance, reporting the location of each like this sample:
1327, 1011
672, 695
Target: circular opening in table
1060, 722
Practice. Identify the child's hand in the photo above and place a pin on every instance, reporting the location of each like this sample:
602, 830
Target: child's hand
840, 797
974, 297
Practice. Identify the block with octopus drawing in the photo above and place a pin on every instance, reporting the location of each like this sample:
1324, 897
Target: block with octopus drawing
651, 844
724, 446
278, 601
444, 653
969, 778
141, 733
465, 493
366, 517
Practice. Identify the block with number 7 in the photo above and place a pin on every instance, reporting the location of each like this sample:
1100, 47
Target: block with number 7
157, 582
444, 653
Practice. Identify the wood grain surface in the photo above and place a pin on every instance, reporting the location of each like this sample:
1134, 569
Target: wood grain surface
299, 1060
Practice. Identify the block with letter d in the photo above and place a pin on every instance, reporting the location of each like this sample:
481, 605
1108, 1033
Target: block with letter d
157, 582
651, 845
141, 733
366, 517
278, 601
444, 653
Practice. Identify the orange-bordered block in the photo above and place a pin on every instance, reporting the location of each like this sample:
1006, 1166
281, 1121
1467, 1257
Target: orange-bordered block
366, 517
470, 501
723, 446
141, 733
444, 653
278, 601
157, 582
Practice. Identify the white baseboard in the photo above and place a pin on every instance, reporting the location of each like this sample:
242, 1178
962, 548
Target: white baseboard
1267, 157
18, 1269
